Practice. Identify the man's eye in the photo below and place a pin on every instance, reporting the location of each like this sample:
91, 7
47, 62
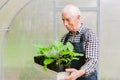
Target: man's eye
67, 19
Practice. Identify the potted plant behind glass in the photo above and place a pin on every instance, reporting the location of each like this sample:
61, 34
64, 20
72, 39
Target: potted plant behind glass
56, 56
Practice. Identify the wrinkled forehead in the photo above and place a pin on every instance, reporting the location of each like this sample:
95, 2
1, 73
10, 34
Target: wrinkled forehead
66, 15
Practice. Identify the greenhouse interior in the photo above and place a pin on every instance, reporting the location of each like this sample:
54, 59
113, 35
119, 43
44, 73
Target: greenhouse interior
25, 23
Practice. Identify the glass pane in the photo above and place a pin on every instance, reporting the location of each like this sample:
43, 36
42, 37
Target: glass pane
32, 25
61, 30
89, 19
79, 3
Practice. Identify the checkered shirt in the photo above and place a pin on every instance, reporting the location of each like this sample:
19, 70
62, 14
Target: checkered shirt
90, 46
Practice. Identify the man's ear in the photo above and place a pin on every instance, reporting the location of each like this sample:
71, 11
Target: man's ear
78, 17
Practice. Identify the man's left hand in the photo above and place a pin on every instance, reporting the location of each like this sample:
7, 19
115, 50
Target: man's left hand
74, 74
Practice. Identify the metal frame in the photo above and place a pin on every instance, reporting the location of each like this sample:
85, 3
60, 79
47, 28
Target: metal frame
98, 33
2, 55
3, 41
3, 3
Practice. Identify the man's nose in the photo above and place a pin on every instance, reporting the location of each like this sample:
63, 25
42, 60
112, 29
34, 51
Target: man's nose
65, 23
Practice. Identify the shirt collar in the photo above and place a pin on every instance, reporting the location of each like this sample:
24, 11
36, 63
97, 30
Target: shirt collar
79, 30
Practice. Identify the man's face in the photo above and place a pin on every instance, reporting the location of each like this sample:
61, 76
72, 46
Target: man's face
70, 22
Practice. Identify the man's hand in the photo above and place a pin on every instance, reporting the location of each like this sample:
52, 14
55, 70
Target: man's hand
74, 74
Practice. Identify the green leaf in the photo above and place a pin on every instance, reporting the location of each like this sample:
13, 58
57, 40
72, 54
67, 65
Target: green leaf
42, 50
64, 60
51, 53
46, 62
69, 46
58, 45
75, 59
58, 52
79, 54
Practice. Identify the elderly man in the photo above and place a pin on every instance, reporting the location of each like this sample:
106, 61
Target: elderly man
84, 41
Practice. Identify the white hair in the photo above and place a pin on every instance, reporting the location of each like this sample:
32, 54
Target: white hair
72, 10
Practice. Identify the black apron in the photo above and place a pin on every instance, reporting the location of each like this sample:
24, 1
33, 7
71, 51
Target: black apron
78, 48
